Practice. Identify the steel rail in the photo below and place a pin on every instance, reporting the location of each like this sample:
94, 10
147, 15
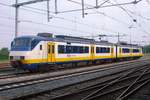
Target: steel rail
127, 90
47, 79
13, 70
42, 76
119, 98
119, 88
131, 92
101, 85
110, 83
15, 74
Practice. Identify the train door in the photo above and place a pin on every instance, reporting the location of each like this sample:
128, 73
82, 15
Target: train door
112, 51
120, 52
51, 52
92, 52
116, 51
131, 50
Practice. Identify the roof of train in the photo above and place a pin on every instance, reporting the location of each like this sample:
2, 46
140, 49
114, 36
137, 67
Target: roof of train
71, 39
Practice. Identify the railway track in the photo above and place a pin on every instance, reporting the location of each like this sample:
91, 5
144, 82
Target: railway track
21, 85
6, 71
2, 65
5, 67
41, 85
15, 74
127, 87
64, 72
10, 72
119, 87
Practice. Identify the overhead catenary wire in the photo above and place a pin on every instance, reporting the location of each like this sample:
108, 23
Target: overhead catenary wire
101, 13
61, 17
39, 23
119, 6
3, 4
99, 6
131, 13
77, 22
24, 8
53, 16
72, 20
110, 16
77, 2
97, 28
42, 23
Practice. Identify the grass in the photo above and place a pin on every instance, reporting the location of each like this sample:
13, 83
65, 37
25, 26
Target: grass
4, 58
4, 61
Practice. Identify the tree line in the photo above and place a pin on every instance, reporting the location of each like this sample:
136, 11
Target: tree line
4, 54
146, 49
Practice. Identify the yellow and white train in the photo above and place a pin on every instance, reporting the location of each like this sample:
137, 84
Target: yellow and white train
36, 52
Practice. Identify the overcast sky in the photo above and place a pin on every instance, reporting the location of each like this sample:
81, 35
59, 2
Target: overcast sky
108, 20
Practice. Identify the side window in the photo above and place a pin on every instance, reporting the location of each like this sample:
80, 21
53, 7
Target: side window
107, 50
97, 50
102, 50
135, 50
86, 49
40, 47
61, 49
68, 49
74, 49
34, 43
81, 49
125, 50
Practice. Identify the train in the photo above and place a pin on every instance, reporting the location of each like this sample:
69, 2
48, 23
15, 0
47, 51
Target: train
43, 51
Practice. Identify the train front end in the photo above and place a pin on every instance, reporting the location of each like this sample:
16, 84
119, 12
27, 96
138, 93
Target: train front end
25, 52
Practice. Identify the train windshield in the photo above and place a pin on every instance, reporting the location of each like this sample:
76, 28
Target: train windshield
24, 43
21, 44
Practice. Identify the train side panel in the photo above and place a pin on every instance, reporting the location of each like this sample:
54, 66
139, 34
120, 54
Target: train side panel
125, 52
103, 52
137, 52
64, 56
